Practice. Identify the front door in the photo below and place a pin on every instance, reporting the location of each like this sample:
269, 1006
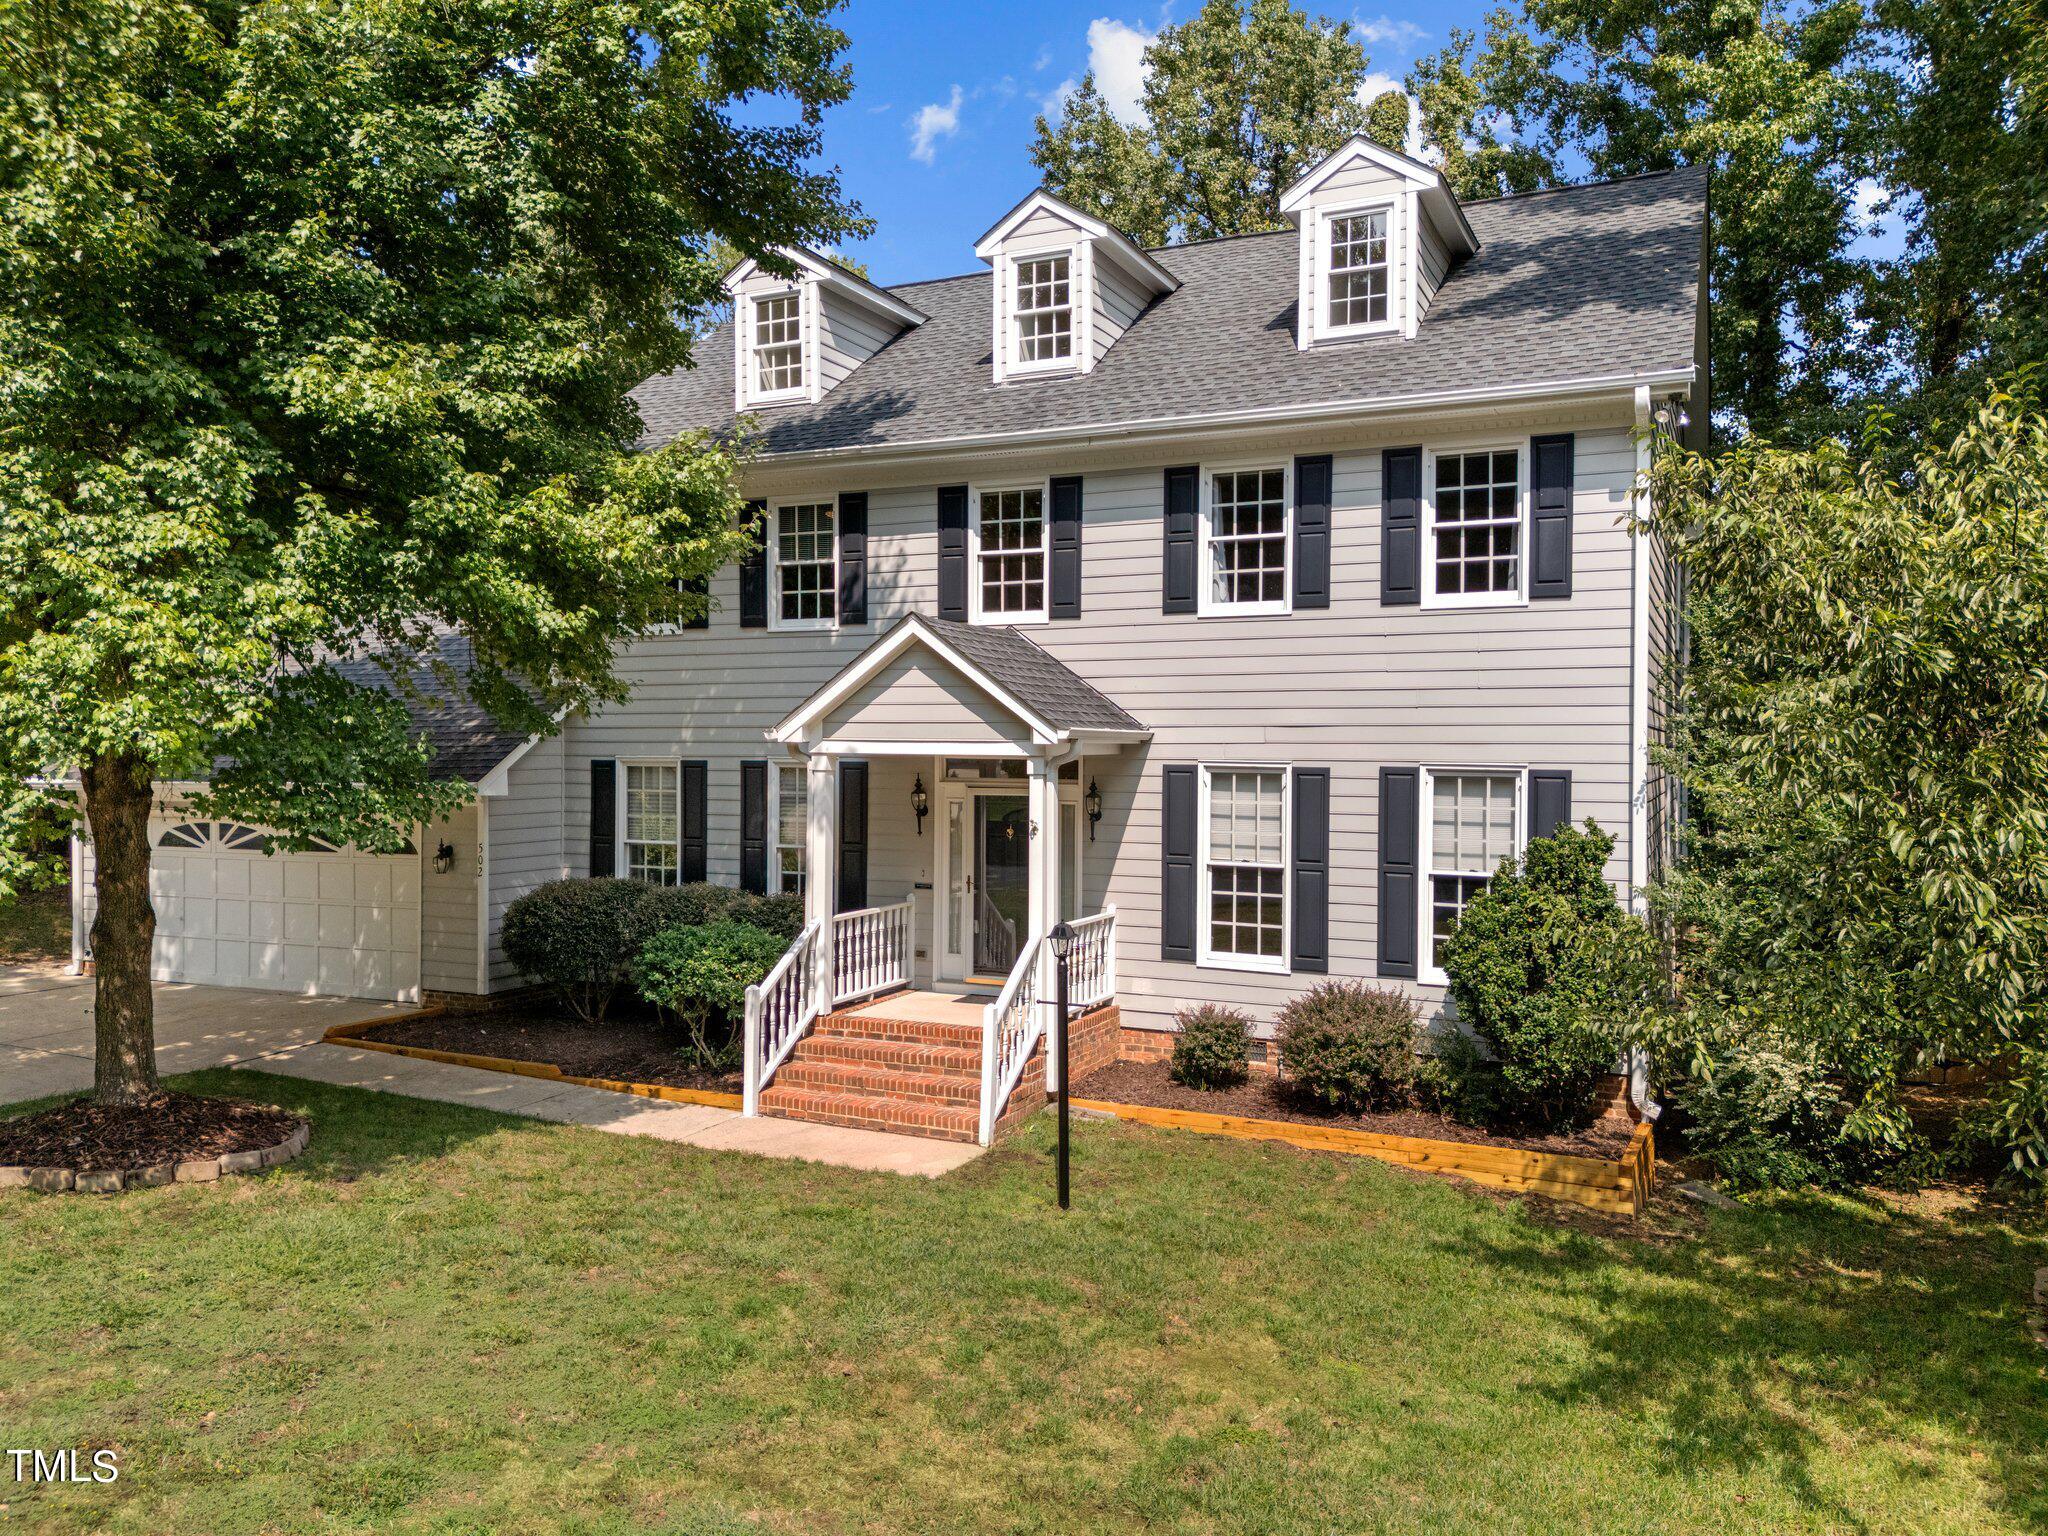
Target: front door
1002, 881
984, 877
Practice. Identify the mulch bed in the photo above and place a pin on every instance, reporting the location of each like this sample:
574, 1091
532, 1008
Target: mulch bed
627, 1049
1266, 1098
170, 1128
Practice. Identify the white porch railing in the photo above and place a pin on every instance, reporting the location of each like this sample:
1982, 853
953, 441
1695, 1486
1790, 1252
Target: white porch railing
1091, 963
779, 1009
871, 951
1011, 1028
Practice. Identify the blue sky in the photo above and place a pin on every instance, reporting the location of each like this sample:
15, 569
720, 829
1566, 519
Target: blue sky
935, 142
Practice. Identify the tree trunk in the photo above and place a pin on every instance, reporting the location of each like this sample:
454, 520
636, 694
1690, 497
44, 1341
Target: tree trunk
117, 797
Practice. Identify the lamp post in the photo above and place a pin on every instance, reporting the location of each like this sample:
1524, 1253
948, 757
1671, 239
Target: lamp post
1061, 939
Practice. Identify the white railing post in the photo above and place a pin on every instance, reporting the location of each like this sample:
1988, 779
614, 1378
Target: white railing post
991, 1022
750, 1093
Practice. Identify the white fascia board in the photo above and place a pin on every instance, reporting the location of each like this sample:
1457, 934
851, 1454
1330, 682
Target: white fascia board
1126, 252
1426, 179
854, 289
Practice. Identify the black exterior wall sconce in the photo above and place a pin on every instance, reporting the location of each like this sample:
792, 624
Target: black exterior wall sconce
444, 858
1092, 804
920, 802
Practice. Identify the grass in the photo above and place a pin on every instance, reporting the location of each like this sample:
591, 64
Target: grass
445, 1321
36, 925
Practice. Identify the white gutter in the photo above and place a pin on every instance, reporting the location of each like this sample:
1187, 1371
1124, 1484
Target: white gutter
1639, 728
1319, 413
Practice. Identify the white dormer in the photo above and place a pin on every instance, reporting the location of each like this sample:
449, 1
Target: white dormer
1379, 232
1066, 287
795, 339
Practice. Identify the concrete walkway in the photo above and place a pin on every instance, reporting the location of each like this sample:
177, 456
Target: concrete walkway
696, 1125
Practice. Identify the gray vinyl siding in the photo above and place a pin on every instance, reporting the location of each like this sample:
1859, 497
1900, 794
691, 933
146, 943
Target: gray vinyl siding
847, 337
1118, 303
1352, 688
527, 847
448, 906
1434, 262
916, 697
1359, 180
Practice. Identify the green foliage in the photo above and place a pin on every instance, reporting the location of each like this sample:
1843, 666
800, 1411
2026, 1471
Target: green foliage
1864, 733
1386, 120
700, 976
1349, 1046
1213, 1048
1762, 1107
1239, 99
1460, 1080
577, 936
688, 906
1543, 967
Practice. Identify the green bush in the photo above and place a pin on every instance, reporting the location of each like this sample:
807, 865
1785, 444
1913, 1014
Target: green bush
1459, 1080
577, 936
1213, 1048
1760, 1106
1349, 1046
700, 976
699, 903
1537, 968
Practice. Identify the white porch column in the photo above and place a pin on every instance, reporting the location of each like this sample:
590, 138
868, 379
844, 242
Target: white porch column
1044, 790
821, 868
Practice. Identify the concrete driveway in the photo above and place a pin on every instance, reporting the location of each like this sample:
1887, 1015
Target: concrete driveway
46, 1027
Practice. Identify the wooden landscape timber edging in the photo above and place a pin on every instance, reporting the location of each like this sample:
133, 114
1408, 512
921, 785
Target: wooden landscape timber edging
352, 1035
1622, 1186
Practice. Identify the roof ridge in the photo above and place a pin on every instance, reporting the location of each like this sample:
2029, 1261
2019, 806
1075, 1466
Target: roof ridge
1578, 186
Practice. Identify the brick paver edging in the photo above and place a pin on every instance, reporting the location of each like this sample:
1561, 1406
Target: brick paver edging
111, 1181
351, 1035
1621, 1186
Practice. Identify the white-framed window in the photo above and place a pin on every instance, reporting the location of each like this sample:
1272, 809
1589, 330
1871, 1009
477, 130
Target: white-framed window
804, 574
776, 346
1472, 818
1244, 867
1012, 540
1042, 310
1246, 539
1474, 545
1358, 271
652, 824
790, 796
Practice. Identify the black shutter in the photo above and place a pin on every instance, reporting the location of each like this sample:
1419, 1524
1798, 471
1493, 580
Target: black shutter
1400, 818
754, 569
1311, 947
1401, 526
1178, 830
853, 557
953, 552
1550, 800
604, 817
1182, 495
853, 836
1550, 534
754, 826
1312, 483
693, 847
698, 586
1065, 592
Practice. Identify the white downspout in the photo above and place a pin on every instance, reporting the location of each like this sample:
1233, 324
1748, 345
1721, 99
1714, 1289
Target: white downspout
1639, 725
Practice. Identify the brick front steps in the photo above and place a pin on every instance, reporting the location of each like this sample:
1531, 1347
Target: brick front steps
923, 1079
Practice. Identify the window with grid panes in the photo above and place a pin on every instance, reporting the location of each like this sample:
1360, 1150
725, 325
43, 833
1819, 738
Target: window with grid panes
1476, 524
1248, 537
653, 821
778, 344
1045, 310
1246, 864
806, 569
1359, 269
1013, 552
1472, 826
792, 822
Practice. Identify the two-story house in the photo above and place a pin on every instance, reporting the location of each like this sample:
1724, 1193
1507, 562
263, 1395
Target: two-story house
1240, 603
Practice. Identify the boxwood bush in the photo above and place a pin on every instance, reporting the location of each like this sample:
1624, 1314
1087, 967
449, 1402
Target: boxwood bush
699, 977
1349, 1046
577, 936
1213, 1048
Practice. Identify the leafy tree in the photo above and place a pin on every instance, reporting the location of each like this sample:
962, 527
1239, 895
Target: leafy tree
1386, 120
319, 322
1455, 95
1865, 731
1239, 100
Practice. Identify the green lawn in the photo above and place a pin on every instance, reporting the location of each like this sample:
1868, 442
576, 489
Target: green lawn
445, 1321
36, 926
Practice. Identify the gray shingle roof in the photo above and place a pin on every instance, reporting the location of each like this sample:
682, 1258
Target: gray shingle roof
1573, 283
1037, 679
467, 742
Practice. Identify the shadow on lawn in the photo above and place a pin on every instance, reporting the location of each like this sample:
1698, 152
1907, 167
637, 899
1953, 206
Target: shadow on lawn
1754, 1346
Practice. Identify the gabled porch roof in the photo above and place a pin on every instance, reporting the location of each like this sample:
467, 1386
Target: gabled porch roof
993, 676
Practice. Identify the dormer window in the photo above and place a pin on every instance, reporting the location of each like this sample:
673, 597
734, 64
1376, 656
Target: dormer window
1359, 270
778, 345
1045, 311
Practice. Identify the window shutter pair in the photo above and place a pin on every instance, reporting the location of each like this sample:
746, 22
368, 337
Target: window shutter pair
605, 829
851, 522
1550, 521
1400, 816
1181, 562
853, 830
1181, 866
1063, 579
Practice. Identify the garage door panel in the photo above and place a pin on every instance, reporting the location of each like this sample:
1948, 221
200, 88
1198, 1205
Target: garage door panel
266, 922
301, 877
266, 878
373, 928
231, 919
231, 877
373, 882
337, 880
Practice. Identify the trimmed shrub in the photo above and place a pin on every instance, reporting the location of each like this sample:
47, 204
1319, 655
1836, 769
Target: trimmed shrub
1213, 1048
577, 936
1349, 1045
699, 976
780, 915
1460, 1080
1536, 969
694, 905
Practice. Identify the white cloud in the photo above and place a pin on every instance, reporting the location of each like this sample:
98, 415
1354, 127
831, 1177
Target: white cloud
1866, 198
1385, 31
1376, 85
1044, 59
1116, 55
932, 123
1054, 102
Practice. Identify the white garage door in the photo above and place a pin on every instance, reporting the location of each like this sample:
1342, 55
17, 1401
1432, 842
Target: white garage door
227, 913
